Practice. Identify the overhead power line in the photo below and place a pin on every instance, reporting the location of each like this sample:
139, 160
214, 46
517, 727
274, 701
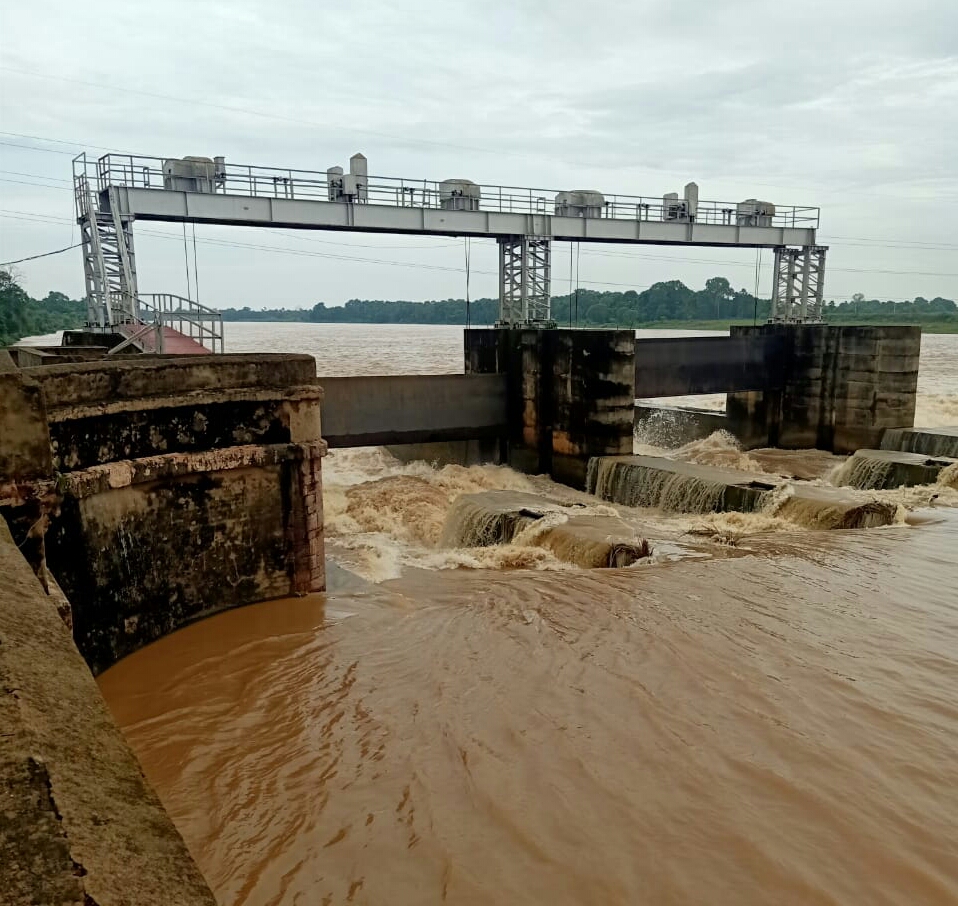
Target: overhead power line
43, 255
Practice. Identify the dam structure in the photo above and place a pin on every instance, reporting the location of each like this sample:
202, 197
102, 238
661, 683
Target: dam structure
146, 483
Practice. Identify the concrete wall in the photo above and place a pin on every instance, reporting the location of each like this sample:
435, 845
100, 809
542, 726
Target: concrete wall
569, 394
137, 559
78, 822
690, 365
841, 387
412, 409
173, 488
24, 438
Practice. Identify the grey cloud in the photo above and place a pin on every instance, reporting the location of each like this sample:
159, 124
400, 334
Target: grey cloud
844, 104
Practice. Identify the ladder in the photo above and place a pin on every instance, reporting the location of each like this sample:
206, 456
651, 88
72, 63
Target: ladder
109, 265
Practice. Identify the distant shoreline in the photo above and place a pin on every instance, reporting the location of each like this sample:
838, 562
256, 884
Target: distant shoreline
949, 327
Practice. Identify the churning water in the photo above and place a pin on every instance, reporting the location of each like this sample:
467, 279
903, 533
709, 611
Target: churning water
756, 713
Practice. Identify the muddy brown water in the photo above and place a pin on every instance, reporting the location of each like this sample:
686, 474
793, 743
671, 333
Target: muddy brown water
771, 720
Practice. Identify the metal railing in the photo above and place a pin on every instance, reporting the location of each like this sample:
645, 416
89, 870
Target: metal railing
196, 321
309, 185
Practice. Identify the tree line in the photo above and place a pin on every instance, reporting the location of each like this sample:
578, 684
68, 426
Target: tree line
23, 316
668, 302
664, 302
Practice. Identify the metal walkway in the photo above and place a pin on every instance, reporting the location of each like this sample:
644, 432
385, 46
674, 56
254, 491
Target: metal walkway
524, 221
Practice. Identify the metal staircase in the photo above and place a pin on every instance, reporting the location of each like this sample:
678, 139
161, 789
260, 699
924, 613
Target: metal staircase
109, 266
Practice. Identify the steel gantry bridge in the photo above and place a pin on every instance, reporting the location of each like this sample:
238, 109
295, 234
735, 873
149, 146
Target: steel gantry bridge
115, 190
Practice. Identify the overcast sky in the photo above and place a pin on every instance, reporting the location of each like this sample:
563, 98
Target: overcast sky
848, 105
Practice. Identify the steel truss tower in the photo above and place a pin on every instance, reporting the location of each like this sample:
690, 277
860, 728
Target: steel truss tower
525, 277
798, 283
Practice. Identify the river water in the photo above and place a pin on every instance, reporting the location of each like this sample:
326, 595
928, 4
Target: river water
759, 713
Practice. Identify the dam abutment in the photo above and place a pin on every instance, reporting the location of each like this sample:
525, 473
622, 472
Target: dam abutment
159, 490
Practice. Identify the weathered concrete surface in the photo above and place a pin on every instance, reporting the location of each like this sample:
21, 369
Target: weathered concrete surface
142, 377
24, 438
179, 426
182, 487
928, 441
79, 824
376, 411
33, 356
683, 366
144, 547
570, 394
590, 541
682, 487
885, 469
841, 387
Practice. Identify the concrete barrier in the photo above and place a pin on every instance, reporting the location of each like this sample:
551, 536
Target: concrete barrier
590, 541
685, 366
412, 409
842, 387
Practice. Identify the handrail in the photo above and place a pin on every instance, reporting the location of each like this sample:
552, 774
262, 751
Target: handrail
187, 316
136, 171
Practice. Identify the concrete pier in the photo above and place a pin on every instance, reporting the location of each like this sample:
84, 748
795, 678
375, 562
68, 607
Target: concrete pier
836, 388
570, 394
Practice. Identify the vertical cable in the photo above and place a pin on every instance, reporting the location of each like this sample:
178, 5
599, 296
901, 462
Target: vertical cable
196, 272
578, 250
186, 258
758, 272
467, 248
571, 250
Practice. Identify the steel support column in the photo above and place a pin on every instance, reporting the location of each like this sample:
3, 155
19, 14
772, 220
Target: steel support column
798, 284
525, 277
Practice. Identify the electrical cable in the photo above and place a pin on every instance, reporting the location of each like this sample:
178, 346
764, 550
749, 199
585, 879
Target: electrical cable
43, 255
196, 273
466, 242
758, 272
186, 258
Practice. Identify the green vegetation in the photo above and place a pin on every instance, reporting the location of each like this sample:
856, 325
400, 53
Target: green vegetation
21, 316
669, 304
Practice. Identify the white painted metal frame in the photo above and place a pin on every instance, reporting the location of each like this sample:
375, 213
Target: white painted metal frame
525, 278
798, 284
524, 221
